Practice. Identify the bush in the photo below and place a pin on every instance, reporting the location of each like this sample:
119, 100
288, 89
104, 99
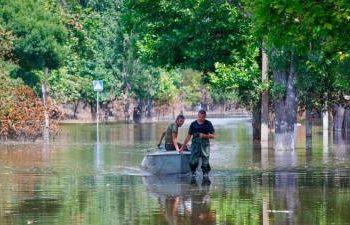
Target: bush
22, 112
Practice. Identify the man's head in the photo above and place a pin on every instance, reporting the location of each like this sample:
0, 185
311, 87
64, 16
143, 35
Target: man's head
180, 119
201, 115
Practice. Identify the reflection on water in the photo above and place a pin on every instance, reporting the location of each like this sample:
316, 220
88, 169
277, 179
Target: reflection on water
183, 200
76, 180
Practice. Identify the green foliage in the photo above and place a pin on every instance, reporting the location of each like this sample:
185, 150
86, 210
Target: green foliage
178, 86
279, 58
93, 43
198, 35
241, 81
295, 24
311, 33
167, 88
223, 97
39, 33
66, 87
189, 34
144, 83
6, 42
135, 47
340, 68
277, 91
101, 49
191, 86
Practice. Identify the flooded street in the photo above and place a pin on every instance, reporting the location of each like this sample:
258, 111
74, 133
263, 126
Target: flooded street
75, 180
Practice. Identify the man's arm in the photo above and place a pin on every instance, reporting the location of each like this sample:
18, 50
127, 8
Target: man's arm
208, 136
161, 139
211, 133
187, 139
174, 136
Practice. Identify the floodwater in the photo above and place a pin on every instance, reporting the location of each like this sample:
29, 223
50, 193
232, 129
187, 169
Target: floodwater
74, 180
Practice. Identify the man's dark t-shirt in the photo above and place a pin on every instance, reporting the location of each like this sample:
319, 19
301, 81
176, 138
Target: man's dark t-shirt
205, 128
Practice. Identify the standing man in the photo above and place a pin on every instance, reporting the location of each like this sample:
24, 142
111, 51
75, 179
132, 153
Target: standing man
171, 143
202, 130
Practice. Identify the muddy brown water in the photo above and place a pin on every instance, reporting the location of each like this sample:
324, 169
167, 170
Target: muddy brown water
75, 180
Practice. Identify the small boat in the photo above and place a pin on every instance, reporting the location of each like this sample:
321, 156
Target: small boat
164, 162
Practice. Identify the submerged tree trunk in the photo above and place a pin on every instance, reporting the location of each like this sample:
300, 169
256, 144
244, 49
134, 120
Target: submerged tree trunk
325, 125
256, 122
308, 125
339, 136
286, 108
325, 116
264, 127
308, 121
347, 122
338, 118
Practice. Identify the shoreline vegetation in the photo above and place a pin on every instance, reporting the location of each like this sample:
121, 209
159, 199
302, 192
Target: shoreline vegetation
240, 113
237, 113
154, 64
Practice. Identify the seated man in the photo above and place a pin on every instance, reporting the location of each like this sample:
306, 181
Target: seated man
170, 135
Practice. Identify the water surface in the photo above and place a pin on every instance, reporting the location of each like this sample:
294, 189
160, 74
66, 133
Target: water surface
75, 180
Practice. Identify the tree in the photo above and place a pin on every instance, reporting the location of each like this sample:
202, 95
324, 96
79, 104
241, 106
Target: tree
190, 34
94, 43
6, 42
22, 113
40, 38
241, 79
101, 49
291, 30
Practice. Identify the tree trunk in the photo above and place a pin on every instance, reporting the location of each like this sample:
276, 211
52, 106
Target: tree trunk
93, 108
308, 121
264, 99
127, 113
149, 108
127, 71
338, 118
137, 113
308, 126
205, 99
256, 122
347, 121
75, 108
286, 109
44, 88
325, 116
127, 107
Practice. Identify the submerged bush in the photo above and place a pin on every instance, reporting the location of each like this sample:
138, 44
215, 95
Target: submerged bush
22, 112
